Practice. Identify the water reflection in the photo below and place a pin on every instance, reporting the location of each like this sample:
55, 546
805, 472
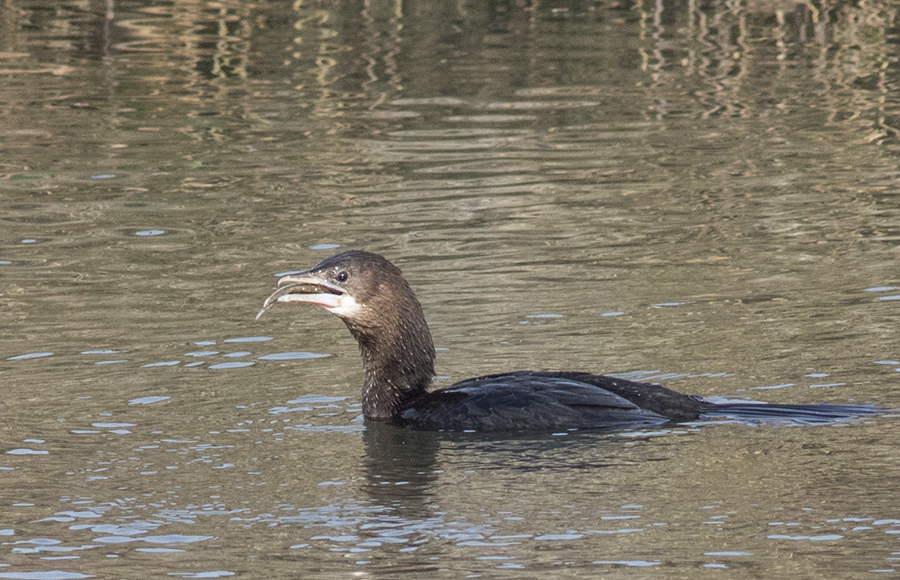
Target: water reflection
338, 54
401, 469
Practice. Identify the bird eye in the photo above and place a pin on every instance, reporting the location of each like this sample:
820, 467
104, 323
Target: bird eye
342, 276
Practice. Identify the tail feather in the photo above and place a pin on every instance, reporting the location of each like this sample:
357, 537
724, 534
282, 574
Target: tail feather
808, 413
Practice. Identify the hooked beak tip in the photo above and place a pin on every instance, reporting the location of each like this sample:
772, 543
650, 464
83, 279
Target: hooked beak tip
302, 287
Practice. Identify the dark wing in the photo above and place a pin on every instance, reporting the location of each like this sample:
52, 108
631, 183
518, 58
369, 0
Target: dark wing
525, 401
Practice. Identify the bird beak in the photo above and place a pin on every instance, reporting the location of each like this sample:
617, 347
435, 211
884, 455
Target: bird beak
305, 287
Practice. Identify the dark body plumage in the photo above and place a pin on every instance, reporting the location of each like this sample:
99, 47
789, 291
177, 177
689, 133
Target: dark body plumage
376, 303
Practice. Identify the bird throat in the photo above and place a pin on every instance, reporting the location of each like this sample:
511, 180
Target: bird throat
399, 366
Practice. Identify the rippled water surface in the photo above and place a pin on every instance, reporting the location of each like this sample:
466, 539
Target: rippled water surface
703, 194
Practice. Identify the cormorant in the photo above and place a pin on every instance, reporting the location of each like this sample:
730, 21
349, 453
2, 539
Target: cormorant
376, 303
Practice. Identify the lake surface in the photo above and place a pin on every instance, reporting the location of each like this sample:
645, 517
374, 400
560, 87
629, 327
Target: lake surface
701, 194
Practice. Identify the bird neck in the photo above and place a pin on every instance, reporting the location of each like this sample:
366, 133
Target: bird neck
398, 357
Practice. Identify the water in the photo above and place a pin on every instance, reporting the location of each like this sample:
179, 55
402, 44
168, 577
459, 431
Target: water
696, 194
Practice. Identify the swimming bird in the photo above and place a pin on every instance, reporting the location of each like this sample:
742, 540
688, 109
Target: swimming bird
376, 303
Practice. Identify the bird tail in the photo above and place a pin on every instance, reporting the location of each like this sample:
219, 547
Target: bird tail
800, 414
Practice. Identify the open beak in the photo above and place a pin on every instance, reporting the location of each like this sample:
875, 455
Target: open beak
305, 287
